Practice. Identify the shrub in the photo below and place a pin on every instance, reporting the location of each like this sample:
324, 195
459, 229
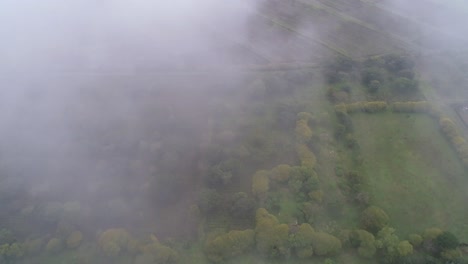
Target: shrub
405, 248
303, 132
54, 245
448, 127
232, 244
260, 184
209, 200
74, 239
302, 241
272, 238
374, 107
9, 252
397, 62
415, 240
281, 173
113, 241
431, 233
388, 242
365, 242
373, 219
303, 180
372, 74
242, 206
325, 244
316, 196
403, 84
159, 253
447, 240
451, 254
374, 86
306, 156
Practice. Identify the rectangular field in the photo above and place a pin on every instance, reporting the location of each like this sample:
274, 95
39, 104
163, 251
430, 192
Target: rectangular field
412, 172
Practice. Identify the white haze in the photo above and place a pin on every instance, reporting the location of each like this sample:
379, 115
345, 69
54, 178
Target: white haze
51, 103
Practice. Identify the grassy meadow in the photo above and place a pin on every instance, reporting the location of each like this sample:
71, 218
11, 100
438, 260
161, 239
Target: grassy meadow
412, 172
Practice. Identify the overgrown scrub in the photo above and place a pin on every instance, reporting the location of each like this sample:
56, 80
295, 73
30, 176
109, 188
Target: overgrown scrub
367, 107
449, 129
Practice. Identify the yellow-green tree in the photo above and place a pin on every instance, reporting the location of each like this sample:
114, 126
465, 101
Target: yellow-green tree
160, 253
431, 233
405, 248
302, 241
303, 131
113, 241
306, 156
364, 241
388, 242
281, 173
232, 244
272, 238
415, 240
325, 244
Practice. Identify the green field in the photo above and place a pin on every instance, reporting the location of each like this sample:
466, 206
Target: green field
412, 172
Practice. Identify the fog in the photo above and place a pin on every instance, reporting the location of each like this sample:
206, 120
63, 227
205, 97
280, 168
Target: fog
80, 124
113, 112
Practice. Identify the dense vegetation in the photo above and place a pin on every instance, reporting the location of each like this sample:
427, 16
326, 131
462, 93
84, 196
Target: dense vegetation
326, 153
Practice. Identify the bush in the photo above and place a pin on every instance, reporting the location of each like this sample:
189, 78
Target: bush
431, 233
336, 70
232, 244
281, 173
448, 127
405, 248
415, 240
9, 252
260, 184
451, 254
74, 239
388, 242
413, 107
303, 180
404, 85
374, 86
54, 245
446, 240
374, 107
303, 132
397, 63
364, 241
159, 253
209, 200
272, 238
325, 244
306, 156
302, 241
221, 174
242, 206
6, 236
374, 219
113, 241
372, 74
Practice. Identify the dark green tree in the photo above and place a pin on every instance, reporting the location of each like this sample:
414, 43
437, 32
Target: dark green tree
374, 219
446, 240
